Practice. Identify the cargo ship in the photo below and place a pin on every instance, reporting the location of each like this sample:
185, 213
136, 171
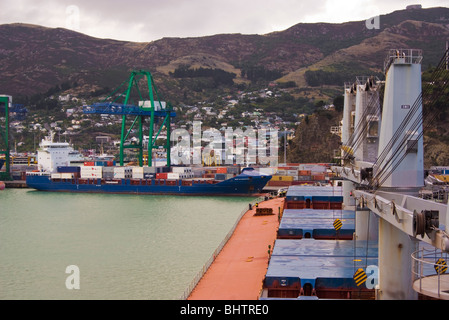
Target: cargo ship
248, 182
56, 174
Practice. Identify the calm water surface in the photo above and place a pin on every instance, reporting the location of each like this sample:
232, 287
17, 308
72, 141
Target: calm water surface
125, 246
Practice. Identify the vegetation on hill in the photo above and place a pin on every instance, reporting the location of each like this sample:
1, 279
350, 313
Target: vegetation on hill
307, 63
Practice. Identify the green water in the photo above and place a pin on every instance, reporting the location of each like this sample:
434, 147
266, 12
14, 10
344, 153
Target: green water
125, 246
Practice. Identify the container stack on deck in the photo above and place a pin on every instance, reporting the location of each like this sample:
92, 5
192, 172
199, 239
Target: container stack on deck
107, 170
314, 257
298, 174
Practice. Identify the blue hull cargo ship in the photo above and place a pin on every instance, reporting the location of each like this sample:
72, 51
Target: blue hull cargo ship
56, 173
249, 182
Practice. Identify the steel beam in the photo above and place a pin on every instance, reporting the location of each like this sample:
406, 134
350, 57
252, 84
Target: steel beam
399, 210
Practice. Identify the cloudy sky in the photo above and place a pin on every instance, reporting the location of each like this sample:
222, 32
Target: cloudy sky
148, 20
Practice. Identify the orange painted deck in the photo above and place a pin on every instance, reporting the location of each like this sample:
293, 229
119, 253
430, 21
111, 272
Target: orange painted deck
237, 273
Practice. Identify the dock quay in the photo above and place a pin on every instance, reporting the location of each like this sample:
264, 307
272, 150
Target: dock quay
15, 184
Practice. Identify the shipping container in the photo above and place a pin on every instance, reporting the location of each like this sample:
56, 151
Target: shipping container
220, 176
91, 175
161, 175
181, 169
280, 183
68, 169
234, 170
149, 176
173, 176
312, 167
108, 175
122, 172
281, 178
222, 170
163, 169
89, 163
153, 170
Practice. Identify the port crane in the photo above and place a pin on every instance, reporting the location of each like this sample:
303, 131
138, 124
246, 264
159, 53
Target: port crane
5, 107
138, 104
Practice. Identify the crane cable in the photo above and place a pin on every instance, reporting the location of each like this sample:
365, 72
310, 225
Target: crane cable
372, 108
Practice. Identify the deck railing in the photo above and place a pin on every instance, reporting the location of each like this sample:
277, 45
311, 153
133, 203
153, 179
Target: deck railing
209, 262
430, 264
402, 56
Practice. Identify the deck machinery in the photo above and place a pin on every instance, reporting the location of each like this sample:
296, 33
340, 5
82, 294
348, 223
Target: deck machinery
385, 185
148, 105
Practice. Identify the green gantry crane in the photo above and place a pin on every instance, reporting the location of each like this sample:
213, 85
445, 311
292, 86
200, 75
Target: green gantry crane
5, 104
148, 106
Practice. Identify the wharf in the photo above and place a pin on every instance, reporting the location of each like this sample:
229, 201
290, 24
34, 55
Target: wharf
15, 184
237, 273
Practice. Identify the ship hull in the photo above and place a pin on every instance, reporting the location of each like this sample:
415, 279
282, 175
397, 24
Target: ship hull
242, 184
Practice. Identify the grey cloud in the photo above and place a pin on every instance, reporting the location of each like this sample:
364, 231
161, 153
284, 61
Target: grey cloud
147, 20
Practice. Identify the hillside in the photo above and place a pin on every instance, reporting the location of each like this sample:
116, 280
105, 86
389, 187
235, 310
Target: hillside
311, 62
313, 140
34, 59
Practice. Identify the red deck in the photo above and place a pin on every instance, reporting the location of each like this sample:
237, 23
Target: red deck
237, 273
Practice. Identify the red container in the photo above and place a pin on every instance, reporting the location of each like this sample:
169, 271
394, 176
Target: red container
161, 175
89, 163
222, 170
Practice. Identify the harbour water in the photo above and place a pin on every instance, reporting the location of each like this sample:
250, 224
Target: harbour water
125, 246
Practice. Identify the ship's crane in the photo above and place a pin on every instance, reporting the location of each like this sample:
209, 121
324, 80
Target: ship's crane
148, 105
387, 186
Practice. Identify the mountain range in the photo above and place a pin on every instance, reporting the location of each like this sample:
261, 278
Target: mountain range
35, 58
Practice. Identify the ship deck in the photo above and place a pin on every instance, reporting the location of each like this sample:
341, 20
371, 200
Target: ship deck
316, 223
295, 268
237, 273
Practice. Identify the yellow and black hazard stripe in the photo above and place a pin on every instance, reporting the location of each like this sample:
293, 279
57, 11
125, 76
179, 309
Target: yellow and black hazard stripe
338, 224
440, 266
360, 277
